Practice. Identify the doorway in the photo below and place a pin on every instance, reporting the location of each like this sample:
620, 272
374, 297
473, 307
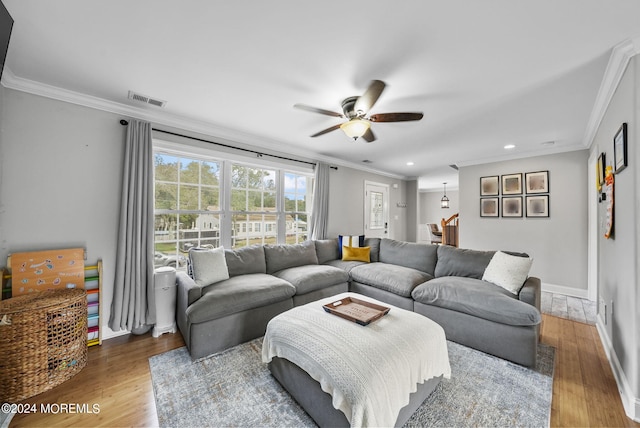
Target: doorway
376, 210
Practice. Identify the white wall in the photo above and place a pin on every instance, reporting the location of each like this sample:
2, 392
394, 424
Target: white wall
618, 264
558, 244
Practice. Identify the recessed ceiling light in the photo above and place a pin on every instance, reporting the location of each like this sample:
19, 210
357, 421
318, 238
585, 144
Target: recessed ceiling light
410, 163
510, 146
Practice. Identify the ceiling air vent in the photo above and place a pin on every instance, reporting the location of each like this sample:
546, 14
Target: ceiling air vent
367, 161
454, 166
145, 99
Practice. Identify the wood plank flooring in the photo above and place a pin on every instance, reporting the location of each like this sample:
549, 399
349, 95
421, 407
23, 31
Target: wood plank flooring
117, 378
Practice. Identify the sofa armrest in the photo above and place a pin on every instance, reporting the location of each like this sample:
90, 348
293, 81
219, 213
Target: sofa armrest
188, 290
531, 292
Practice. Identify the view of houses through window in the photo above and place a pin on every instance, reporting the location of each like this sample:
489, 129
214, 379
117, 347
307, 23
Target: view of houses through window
208, 203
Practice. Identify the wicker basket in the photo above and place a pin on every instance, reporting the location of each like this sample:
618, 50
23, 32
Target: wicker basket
43, 341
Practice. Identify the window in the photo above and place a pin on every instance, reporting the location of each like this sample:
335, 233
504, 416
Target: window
253, 200
187, 207
296, 197
198, 205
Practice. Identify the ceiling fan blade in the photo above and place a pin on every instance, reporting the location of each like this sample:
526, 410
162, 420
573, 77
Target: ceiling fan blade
395, 117
333, 128
369, 136
317, 110
370, 96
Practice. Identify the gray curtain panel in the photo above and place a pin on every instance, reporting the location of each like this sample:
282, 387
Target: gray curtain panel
320, 210
133, 306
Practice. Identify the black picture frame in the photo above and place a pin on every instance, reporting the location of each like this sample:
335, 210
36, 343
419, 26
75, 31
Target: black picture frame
512, 184
620, 149
512, 206
490, 186
489, 207
537, 206
536, 182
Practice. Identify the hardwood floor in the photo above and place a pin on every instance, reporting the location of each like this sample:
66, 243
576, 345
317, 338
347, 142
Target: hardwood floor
117, 379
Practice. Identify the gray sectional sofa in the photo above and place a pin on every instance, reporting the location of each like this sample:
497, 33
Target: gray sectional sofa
440, 282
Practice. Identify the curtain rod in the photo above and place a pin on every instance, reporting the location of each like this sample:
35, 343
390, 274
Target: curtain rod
123, 122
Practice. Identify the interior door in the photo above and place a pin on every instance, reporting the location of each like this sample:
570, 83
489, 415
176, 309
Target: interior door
376, 210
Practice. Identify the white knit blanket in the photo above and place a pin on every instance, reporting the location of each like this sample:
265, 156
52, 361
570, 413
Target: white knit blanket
369, 371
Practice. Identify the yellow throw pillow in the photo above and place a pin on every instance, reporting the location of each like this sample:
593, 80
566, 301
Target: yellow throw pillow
356, 254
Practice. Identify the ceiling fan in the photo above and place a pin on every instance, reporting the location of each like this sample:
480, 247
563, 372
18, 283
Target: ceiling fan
355, 109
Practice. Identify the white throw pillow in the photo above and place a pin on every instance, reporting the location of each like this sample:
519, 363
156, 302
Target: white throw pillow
209, 266
507, 271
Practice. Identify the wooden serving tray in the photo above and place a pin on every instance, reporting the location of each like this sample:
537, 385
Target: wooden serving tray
356, 310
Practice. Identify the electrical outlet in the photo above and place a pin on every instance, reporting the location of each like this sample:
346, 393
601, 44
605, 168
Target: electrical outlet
603, 310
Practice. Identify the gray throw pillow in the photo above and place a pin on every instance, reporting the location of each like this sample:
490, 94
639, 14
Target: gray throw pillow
209, 266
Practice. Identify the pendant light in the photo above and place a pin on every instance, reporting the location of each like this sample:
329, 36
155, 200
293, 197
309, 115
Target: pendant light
444, 202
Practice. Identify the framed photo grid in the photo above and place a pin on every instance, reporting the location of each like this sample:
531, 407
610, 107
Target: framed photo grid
515, 195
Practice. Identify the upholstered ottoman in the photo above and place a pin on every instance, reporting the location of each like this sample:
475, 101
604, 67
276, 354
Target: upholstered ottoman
343, 373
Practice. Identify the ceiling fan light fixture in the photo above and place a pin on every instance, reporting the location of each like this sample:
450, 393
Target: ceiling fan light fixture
355, 128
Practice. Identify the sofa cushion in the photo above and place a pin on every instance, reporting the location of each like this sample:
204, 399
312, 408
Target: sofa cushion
246, 260
326, 250
238, 294
312, 277
284, 256
374, 244
396, 279
508, 271
454, 261
344, 265
421, 257
208, 266
356, 254
478, 298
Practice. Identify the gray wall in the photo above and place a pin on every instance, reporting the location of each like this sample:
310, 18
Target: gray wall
618, 264
60, 179
558, 244
346, 203
61, 168
430, 209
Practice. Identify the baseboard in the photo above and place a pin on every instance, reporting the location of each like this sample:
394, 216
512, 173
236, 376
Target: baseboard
567, 291
110, 334
630, 403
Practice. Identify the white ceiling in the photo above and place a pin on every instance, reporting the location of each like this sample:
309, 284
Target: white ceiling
485, 73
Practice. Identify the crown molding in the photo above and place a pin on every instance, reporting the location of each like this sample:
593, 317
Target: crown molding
621, 54
163, 118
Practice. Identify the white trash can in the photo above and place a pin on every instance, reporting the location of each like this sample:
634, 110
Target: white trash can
164, 279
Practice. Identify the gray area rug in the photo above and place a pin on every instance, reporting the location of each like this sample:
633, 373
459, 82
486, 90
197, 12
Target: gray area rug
234, 388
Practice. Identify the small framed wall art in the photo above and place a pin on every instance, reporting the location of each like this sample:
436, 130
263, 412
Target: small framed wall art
512, 184
537, 182
490, 186
537, 206
620, 148
600, 168
512, 206
489, 207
